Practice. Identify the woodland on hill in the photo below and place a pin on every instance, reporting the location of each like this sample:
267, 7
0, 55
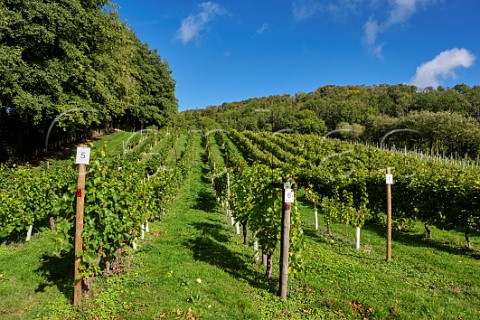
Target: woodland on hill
76, 62
438, 120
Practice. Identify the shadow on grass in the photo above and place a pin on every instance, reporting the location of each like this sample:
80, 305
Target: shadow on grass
64, 152
418, 240
205, 201
317, 235
57, 271
13, 239
206, 175
212, 229
337, 242
211, 251
211, 248
17, 238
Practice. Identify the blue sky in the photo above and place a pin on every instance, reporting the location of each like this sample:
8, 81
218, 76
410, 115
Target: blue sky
225, 51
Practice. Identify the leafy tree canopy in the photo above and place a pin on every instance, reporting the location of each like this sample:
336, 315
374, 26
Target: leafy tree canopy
77, 59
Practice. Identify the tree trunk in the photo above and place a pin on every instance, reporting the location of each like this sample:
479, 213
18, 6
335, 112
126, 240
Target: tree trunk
268, 272
467, 237
88, 282
427, 230
87, 285
52, 223
245, 235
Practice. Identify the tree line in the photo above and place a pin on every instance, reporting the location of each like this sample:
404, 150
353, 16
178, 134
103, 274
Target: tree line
77, 64
437, 120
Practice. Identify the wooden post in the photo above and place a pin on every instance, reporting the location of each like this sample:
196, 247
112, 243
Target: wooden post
83, 158
389, 181
77, 297
285, 238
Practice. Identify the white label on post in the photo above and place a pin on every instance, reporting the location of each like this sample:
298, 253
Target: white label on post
83, 155
289, 196
389, 179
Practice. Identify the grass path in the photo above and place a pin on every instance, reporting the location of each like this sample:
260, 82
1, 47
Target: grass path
185, 264
190, 266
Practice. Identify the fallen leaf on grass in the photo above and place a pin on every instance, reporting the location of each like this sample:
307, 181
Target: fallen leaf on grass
178, 312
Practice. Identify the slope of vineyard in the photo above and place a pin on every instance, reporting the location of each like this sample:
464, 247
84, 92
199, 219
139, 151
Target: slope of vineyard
193, 264
436, 191
348, 181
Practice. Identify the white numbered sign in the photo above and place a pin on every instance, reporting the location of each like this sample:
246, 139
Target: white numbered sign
83, 155
389, 179
289, 196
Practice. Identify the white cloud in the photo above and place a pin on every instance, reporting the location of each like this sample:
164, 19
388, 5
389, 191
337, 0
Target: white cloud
341, 10
371, 30
430, 73
383, 15
263, 28
193, 25
338, 9
402, 10
399, 12
304, 9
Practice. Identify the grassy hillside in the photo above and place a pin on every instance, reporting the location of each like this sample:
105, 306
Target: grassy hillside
193, 266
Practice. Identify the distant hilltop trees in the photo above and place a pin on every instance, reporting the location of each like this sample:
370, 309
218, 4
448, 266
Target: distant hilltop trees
439, 120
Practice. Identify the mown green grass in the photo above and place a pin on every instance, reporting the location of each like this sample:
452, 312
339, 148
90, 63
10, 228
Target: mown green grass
30, 277
192, 265
114, 141
426, 279
175, 153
